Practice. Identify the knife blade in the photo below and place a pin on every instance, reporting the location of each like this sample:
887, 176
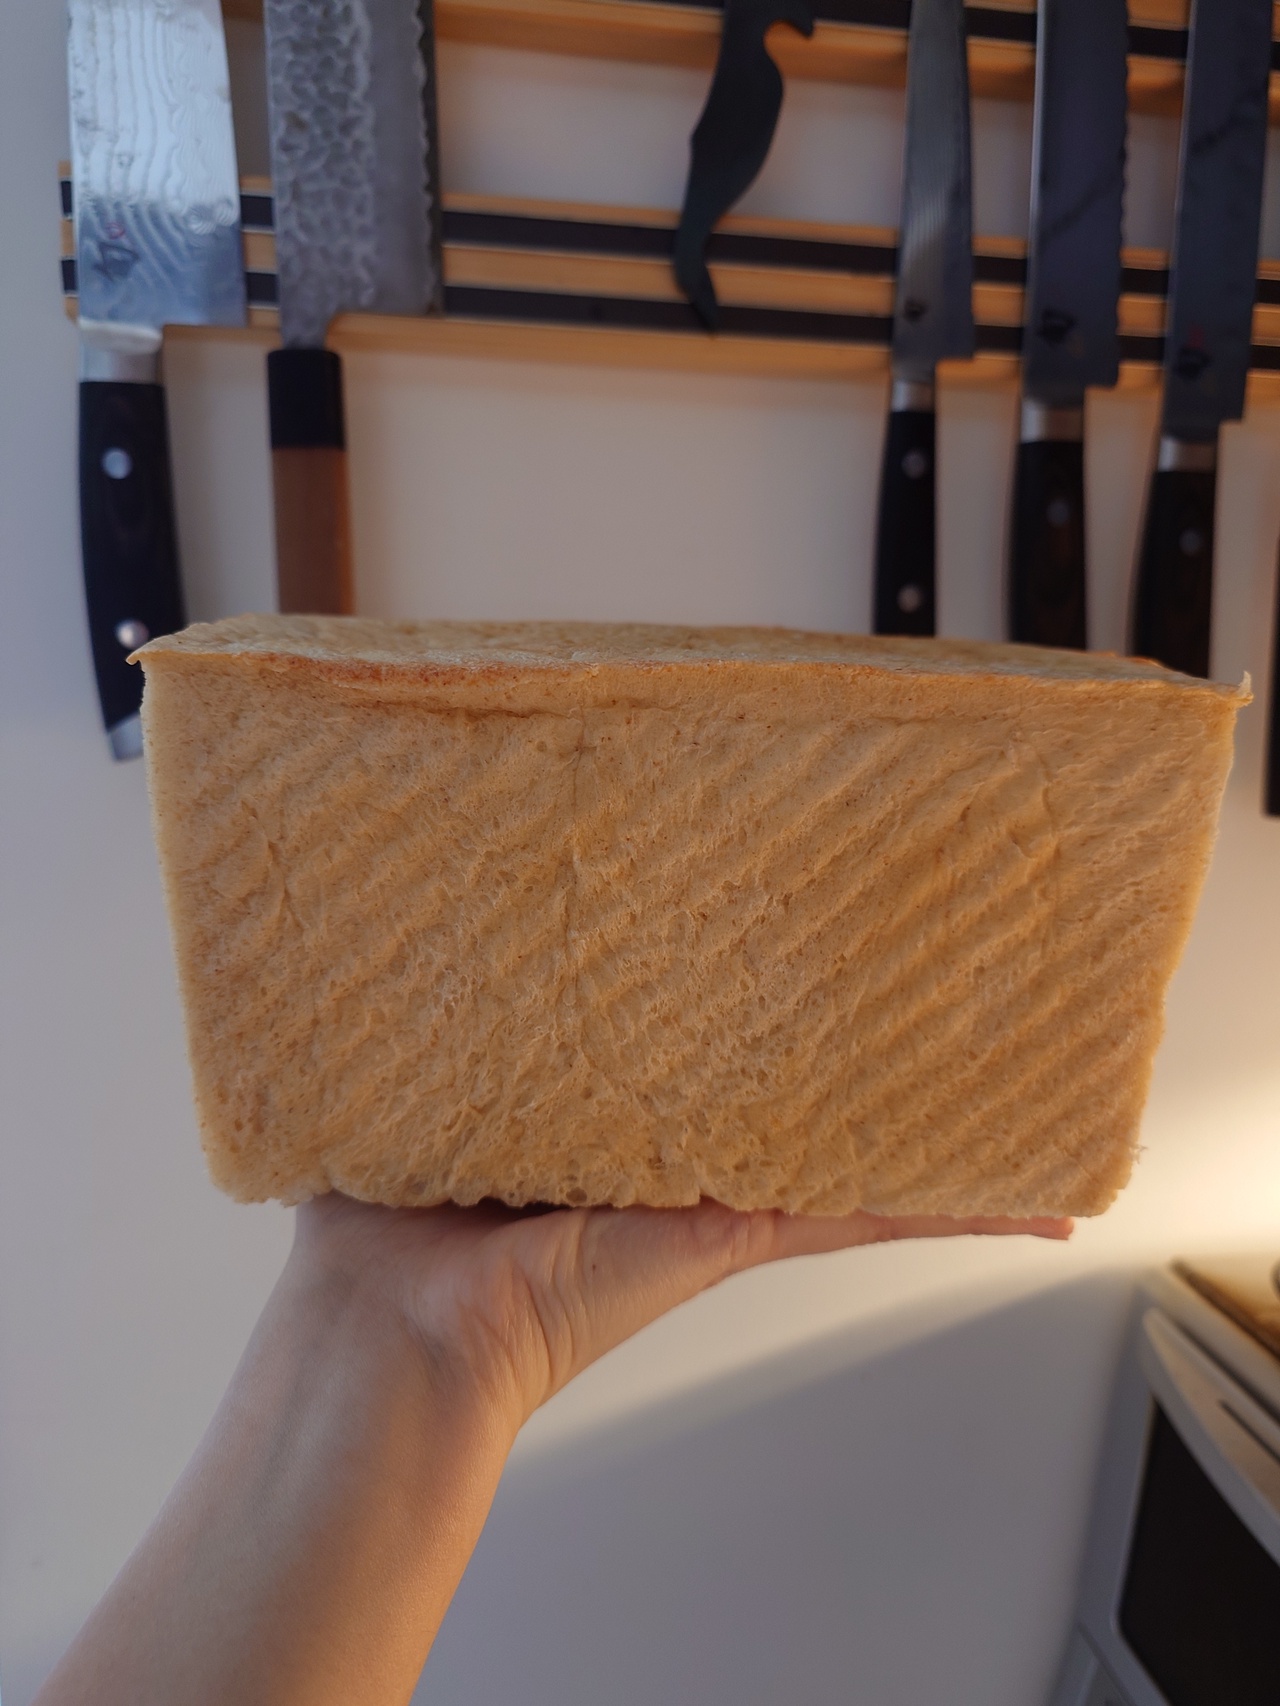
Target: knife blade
354, 159
932, 314
732, 138
157, 220
1208, 324
1070, 334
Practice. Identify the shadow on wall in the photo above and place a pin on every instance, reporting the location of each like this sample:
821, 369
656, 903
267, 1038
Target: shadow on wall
740, 1545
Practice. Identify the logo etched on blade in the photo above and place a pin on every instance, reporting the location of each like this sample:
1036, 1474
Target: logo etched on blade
115, 261
1056, 326
1192, 358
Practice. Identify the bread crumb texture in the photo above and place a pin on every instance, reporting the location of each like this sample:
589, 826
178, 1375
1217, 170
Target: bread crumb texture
618, 914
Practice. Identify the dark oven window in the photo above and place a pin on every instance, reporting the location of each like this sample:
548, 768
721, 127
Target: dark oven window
1201, 1602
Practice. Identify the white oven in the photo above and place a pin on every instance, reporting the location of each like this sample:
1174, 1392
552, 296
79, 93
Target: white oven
1180, 1596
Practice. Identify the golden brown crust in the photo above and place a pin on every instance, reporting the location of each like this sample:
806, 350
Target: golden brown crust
360, 647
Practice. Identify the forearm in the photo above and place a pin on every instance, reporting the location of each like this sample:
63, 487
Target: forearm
311, 1548
308, 1554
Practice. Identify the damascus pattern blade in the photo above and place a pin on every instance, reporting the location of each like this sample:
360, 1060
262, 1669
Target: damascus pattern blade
153, 157
352, 160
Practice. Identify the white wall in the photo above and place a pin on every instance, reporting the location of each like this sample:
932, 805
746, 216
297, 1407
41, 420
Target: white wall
857, 1479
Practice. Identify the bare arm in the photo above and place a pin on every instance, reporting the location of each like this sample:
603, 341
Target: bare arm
310, 1550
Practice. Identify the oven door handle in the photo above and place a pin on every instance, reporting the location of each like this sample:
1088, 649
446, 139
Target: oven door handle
1234, 1440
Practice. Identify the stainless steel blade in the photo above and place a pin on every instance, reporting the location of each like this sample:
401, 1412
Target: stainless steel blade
350, 160
933, 304
1215, 248
1071, 338
157, 199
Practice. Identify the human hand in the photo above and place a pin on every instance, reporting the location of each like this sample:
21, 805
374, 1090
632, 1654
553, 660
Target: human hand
310, 1550
518, 1302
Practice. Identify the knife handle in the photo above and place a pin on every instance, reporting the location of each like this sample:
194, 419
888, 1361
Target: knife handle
129, 541
1047, 601
1174, 600
309, 477
905, 595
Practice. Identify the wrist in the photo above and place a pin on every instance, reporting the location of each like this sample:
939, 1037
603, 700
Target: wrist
399, 1348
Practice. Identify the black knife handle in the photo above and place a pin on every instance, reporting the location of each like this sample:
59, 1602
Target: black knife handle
129, 540
309, 480
905, 596
1174, 601
1047, 600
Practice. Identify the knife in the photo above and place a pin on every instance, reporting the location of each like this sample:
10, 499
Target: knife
1070, 336
932, 311
1208, 323
157, 217
731, 139
354, 161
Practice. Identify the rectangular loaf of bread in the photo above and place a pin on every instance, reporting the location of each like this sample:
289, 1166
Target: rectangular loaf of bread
591, 914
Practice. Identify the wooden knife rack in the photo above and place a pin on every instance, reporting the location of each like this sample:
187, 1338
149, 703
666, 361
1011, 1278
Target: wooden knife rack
574, 282
854, 41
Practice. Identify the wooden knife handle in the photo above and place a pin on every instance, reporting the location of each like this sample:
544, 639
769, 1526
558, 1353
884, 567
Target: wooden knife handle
309, 473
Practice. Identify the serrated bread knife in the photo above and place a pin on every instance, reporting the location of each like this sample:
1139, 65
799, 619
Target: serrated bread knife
1208, 325
157, 218
1070, 337
932, 311
351, 90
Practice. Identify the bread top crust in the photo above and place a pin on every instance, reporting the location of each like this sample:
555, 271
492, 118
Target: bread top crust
357, 646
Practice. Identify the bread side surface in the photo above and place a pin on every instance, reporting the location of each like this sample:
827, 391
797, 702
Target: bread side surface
767, 926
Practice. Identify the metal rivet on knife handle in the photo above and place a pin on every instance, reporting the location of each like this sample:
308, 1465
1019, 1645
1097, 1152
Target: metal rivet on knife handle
731, 140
